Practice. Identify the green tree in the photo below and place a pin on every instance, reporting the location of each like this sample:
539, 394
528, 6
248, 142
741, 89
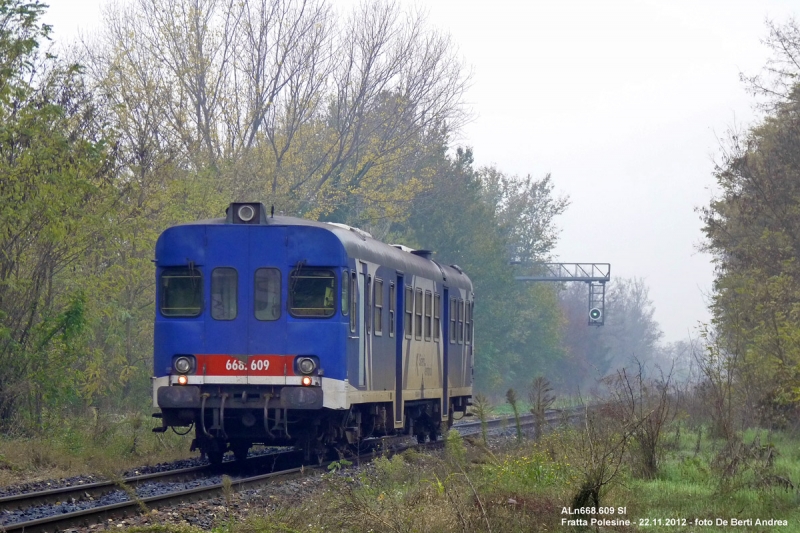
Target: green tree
55, 195
466, 222
751, 229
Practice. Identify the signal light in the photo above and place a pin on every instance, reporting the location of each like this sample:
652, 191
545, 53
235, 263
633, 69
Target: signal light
595, 314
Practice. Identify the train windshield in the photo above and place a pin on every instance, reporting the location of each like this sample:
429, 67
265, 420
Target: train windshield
181, 292
312, 293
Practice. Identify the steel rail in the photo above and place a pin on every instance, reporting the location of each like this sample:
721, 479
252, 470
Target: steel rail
96, 515
25, 500
29, 499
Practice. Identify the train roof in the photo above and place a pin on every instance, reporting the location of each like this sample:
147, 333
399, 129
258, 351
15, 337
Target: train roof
360, 244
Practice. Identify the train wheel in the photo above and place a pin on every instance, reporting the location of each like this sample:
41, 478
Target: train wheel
240, 451
215, 450
215, 456
322, 456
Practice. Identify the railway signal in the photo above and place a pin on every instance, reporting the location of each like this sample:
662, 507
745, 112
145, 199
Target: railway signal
593, 274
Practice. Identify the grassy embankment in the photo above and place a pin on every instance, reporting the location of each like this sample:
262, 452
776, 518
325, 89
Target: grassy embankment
509, 486
93, 444
524, 486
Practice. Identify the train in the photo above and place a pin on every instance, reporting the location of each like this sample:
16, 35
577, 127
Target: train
280, 331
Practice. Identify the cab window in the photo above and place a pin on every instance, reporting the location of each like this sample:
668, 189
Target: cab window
181, 292
312, 293
345, 292
267, 297
224, 285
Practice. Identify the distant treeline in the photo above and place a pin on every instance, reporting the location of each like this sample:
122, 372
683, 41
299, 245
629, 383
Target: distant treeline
178, 107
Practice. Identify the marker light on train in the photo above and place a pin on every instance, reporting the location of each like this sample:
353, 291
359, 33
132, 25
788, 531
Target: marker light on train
306, 381
183, 379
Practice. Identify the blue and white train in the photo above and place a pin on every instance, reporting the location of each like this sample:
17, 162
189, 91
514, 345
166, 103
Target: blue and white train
283, 331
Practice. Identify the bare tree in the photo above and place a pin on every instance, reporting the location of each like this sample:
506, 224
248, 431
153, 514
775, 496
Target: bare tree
394, 80
647, 406
718, 367
541, 398
242, 88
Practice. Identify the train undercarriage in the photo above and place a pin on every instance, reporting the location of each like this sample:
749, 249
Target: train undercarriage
235, 420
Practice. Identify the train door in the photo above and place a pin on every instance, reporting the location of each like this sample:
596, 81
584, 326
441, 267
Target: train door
363, 343
266, 286
225, 323
399, 336
445, 344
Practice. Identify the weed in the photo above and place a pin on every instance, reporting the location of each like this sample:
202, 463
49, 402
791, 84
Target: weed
483, 410
541, 398
511, 398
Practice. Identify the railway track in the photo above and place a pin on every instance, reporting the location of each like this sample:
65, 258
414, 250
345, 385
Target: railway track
122, 509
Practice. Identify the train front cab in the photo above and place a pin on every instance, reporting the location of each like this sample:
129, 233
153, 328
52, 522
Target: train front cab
236, 321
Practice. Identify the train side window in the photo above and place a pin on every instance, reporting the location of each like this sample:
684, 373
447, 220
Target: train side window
345, 292
409, 315
224, 293
353, 302
437, 305
368, 293
418, 316
377, 307
460, 321
472, 321
267, 297
428, 314
392, 305
312, 293
181, 292
453, 322
468, 322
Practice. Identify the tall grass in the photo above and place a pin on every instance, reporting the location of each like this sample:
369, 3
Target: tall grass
92, 443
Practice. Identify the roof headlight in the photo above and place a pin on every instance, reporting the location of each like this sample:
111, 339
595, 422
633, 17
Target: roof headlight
306, 365
183, 365
246, 213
